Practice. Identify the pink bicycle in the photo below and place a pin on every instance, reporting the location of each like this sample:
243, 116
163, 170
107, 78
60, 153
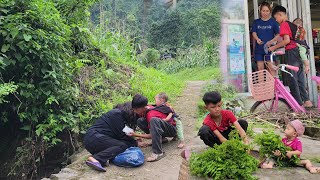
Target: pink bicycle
269, 92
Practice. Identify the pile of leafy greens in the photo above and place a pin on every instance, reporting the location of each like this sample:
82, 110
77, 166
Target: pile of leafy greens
269, 142
230, 160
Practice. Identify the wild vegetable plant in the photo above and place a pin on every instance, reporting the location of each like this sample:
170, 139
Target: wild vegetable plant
270, 142
230, 160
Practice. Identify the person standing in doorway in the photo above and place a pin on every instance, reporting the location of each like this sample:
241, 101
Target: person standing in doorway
265, 32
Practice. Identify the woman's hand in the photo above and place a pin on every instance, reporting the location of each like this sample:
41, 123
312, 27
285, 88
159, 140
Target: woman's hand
277, 153
259, 41
131, 134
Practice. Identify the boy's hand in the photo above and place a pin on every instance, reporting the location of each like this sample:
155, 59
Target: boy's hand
269, 43
246, 141
224, 140
277, 153
289, 154
272, 48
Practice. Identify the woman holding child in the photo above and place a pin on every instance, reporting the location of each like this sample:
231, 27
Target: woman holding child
105, 138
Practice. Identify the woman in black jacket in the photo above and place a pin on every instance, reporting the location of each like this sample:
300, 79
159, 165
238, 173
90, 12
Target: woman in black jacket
105, 139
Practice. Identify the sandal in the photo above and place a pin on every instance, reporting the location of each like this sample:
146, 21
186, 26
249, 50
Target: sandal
96, 166
155, 157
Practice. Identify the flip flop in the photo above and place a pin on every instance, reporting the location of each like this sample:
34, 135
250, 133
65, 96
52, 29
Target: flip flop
96, 166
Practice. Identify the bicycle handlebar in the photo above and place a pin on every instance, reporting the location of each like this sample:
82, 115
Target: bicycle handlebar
278, 52
283, 66
293, 68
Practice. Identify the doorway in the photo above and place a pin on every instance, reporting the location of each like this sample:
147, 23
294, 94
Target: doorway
296, 9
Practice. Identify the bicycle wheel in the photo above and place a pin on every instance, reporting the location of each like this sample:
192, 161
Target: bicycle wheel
267, 106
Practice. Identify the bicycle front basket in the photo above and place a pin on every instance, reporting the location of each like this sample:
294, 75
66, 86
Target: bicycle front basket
262, 85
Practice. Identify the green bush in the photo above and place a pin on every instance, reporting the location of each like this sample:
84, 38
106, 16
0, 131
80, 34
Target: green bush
5, 90
149, 56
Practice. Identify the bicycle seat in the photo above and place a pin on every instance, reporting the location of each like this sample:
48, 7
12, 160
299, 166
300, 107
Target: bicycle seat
316, 79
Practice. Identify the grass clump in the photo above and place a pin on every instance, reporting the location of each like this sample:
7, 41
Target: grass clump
230, 160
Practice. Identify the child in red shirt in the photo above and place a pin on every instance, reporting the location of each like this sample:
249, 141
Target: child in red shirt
288, 32
293, 130
161, 100
157, 125
217, 124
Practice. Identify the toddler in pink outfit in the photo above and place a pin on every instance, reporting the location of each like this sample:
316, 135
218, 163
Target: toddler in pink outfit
293, 129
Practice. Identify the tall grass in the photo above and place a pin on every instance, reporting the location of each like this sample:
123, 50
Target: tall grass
204, 55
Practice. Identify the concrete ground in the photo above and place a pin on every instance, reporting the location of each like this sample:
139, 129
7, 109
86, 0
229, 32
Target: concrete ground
168, 168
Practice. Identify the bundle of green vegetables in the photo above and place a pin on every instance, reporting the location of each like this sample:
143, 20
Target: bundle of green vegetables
270, 142
230, 160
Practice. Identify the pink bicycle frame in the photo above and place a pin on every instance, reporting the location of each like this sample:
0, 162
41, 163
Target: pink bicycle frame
282, 92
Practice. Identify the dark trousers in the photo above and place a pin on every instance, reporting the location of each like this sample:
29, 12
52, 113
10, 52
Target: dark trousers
297, 83
104, 148
158, 129
209, 138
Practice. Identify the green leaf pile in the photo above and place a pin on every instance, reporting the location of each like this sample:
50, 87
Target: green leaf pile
269, 142
228, 160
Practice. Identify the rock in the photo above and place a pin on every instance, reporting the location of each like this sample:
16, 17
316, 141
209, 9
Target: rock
312, 132
65, 174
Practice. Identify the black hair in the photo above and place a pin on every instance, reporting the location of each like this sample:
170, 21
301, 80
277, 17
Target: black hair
139, 101
278, 9
265, 4
211, 97
130, 116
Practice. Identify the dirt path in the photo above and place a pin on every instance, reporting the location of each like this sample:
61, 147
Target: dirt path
167, 168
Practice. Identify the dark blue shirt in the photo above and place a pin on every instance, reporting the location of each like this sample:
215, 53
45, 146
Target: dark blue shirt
266, 31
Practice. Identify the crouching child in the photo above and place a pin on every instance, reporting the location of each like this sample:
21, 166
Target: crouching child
217, 124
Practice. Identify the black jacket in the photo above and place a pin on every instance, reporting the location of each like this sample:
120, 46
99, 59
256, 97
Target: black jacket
111, 124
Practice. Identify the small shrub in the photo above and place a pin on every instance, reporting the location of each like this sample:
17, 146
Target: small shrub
149, 56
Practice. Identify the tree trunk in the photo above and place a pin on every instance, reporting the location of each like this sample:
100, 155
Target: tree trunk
174, 4
146, 6
114, 11
101, 15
